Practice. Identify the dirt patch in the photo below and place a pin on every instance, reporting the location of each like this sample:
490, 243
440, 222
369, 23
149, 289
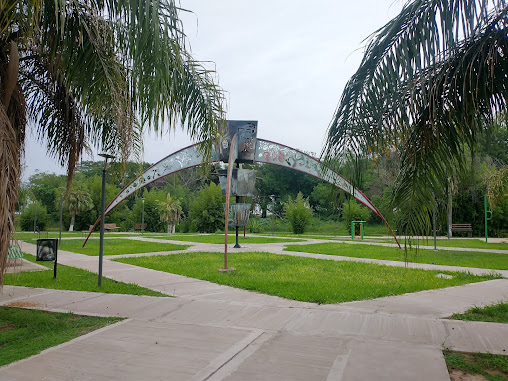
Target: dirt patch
7, 327
23, 304
460, 375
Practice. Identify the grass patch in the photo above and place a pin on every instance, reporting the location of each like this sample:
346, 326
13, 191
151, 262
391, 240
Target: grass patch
219, 238
469, 243
116, 246
71, 278
441, 257
304, 279
496, 313
24, 333
492, 367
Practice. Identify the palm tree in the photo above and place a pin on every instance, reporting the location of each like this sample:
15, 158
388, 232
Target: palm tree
430, 81
94, 73
170, 211
78, 201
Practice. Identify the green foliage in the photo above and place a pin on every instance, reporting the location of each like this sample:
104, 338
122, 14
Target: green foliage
298, 212
353, 211
207, 211
304, 279
254, 225
28, 332
28, 214
151, 208
170, 211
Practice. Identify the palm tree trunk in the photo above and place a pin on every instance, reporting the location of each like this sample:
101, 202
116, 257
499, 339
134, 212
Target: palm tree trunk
449, 207
10, 151
73, 219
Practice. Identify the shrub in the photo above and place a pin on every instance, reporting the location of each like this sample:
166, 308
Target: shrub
207, 211
298, 212
27, 217
352, 211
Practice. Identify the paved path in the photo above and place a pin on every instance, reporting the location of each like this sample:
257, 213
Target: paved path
213, 332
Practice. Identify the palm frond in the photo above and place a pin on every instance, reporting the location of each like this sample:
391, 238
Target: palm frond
430, 81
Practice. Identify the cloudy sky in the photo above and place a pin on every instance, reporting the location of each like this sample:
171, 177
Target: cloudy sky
283, 63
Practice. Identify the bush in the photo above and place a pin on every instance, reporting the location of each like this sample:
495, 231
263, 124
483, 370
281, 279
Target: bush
352, 211
207, 211
254, 225
298, 212
27, 217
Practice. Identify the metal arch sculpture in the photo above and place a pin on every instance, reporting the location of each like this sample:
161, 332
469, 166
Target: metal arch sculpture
265, 152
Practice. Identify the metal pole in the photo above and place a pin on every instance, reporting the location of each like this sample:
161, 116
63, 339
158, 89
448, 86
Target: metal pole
485, 207
35, 216
237, 245
143, 216
103, 205
61, 206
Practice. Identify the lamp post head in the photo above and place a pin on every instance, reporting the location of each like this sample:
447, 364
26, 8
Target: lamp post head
106, 156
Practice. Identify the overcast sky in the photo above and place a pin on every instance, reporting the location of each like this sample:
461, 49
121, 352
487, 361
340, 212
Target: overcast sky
283, 63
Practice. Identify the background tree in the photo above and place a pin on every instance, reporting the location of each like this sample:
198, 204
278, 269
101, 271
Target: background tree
86, 74
170, 211
78, 201
431, 81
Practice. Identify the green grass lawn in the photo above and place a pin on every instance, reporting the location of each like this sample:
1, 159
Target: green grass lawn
454, 242
305, 279
219, 238
24, 333
492, 367
116, 246
496, 313
441, 257
71, 278
52, 234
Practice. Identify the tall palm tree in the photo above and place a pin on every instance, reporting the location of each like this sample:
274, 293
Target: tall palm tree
170, 211
94, 73
78, 201
431, 80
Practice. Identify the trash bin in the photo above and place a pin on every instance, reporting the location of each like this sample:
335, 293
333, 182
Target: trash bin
47, 249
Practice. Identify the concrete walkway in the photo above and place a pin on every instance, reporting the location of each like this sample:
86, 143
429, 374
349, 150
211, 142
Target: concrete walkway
213, 332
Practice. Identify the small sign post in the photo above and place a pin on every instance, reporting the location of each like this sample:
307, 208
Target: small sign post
47, 250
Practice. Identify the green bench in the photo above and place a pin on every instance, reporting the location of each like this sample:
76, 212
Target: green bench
14, 252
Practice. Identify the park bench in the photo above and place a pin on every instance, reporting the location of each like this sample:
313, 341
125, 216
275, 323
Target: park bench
111, 226
14, 252
468, 228
139, 226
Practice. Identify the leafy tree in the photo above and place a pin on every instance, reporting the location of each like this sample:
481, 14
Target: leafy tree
431, 81
95, 74
29, 213
298, 212
170, 211
207, 211
151, 209
78, 201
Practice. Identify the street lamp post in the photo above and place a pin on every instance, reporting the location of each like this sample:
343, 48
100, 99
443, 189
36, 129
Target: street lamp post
143, 216
103, 206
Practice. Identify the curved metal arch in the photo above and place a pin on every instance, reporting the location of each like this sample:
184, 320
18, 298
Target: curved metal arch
185, 158
266, 152
284, 156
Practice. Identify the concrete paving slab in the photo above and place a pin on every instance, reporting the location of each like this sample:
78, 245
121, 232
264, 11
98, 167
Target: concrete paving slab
135, 350
388, 361
289, 357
